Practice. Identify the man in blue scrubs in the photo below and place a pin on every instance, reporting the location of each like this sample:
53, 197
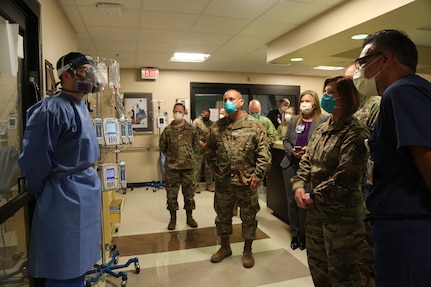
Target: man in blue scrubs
59, 150
399, 169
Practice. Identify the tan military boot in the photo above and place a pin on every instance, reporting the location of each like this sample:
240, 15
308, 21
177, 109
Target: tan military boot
247, 256
223, 252
210, 188
197, 188
173, 220
190, 221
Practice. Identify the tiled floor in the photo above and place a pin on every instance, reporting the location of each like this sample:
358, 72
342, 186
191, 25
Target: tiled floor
182, 257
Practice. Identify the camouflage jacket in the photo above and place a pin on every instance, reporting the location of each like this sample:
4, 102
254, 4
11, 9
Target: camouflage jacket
368, 111
179, 144
202, 128
334, 163
268, 127
237, 151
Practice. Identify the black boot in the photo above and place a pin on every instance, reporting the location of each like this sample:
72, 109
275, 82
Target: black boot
302, 242
294, 243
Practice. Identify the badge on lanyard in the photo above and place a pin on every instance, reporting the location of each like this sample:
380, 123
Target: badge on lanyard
300, 129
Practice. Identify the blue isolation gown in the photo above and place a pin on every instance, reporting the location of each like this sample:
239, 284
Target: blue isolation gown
59, 148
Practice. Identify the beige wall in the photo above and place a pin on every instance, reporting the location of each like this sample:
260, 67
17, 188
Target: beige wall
58, 35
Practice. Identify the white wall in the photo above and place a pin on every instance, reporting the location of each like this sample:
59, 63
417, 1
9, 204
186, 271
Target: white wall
58, 35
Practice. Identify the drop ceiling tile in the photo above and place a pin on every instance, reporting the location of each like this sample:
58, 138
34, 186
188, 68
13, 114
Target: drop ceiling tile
117, 33
92, 17
183, 6
246, 9
161, 36
167, 21
222, 25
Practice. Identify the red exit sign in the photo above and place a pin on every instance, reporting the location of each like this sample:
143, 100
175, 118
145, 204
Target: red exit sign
149, 73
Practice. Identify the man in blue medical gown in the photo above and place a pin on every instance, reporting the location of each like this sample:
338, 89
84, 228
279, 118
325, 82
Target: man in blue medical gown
59, 150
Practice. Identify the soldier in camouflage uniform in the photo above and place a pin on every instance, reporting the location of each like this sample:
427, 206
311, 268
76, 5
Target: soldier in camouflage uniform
202, 125
254, 109
334, 163
238, 155
178, 142
367, 113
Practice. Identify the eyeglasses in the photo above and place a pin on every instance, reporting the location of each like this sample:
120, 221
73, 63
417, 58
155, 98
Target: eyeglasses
85, 69
360, 61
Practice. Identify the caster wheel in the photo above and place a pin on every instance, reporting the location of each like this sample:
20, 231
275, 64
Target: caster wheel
123, 283
116, 260
116, 229
137, 268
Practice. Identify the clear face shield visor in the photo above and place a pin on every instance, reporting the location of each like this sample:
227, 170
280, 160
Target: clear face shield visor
89, 78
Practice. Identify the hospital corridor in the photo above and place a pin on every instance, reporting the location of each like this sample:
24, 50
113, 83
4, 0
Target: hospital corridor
182, 257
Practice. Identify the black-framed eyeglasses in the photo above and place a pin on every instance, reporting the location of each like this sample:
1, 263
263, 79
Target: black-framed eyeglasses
360, 61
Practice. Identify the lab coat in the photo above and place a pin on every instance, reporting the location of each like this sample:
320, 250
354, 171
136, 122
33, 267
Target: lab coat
59, 149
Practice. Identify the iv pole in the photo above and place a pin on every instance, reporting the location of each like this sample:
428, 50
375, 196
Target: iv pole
109, 267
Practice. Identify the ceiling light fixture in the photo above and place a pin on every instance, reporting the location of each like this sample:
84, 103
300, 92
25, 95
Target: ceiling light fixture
298, 59
328, 68
359, 36
190, 57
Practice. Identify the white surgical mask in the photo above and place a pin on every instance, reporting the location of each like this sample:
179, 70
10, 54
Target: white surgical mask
366, 87
306, 108
287, 117
178, 116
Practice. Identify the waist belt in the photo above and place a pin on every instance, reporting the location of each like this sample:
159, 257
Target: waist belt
70, 171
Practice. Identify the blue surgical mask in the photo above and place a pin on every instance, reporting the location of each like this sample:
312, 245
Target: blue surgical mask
328, 103
256, 116
230, 107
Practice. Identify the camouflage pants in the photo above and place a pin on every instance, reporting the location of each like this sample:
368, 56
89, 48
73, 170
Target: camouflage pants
366, 258
224, 200
200, 159
173, 180
333, 251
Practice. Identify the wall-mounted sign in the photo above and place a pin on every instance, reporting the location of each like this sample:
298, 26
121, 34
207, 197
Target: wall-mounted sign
149, 73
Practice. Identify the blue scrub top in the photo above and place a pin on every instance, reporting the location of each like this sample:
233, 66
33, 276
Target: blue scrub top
398, 188
59, 149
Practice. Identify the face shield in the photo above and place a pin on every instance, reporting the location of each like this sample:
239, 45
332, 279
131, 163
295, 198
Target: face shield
88, 78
